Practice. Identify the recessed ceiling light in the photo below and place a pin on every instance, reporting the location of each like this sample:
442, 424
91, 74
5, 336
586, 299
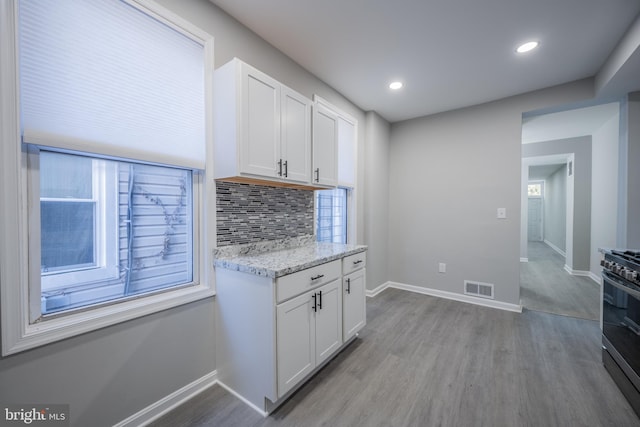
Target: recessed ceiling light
395, 85
526, 47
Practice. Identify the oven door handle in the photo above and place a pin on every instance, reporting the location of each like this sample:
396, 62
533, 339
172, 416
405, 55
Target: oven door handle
613, 282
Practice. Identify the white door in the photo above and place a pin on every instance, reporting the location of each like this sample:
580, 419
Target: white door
328, 320
260, 151
353, 304
296, 136
535, 219
325, 141
295, 341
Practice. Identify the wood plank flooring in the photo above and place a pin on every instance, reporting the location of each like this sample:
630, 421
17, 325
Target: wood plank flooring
546, 286
425, 361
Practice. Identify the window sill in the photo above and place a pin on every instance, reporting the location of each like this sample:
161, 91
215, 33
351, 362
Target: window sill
66, 326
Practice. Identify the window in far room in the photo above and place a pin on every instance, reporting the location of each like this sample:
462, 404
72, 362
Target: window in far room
534, 189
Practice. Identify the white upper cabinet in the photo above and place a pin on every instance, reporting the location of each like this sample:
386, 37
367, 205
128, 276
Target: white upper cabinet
261, 127
334, 146
296, 136
260, 123
325, 146
346, 152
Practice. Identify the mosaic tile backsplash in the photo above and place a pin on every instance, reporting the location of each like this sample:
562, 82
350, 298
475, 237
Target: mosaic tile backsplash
247, 213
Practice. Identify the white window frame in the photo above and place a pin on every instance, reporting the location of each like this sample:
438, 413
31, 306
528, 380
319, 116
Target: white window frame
21, 329
104, 194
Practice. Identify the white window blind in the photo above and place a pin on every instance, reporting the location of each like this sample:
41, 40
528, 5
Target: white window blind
100, 76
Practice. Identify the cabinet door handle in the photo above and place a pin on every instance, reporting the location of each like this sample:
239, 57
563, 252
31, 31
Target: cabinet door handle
319, 276
315, 308
318, 175
280, 167
357, 262
320, 303
286, 169
349, 286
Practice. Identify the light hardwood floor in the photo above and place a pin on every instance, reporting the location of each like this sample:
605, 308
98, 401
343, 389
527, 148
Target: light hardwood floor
546, 286
425, 361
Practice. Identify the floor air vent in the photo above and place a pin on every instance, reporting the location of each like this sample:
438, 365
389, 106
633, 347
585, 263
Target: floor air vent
478, 289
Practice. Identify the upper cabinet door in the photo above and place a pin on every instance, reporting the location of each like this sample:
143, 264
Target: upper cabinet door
346, 152
260, 124
325, 141
296, 136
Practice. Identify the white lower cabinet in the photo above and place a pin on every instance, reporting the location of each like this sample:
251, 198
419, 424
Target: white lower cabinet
272, 334
309, 330
353, 301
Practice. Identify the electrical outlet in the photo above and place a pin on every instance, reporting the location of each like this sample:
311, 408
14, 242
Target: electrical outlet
502, 213
442, 267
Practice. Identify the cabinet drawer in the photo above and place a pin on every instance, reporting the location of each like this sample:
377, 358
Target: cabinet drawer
354, 262
296, 283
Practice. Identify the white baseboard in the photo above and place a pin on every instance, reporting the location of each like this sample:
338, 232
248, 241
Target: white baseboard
524, 259
373, 292
245, 401
555, 248
447, 295
167, 403
573, 272
596, 278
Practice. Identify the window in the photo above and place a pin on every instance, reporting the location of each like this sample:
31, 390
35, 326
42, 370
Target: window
331, 215
534, 189
109, 229
103, 123
78, 233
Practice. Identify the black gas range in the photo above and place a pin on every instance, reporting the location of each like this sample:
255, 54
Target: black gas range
621, 321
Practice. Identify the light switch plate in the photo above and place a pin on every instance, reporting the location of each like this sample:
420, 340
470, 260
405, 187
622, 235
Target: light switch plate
502, 213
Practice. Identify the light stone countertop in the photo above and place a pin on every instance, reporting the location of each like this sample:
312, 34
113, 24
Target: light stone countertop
278, 261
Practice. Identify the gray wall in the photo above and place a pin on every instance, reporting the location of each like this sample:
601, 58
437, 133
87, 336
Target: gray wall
110, 374
376, 199
631, 156
448, 175
555, 208
581, 146
604, 191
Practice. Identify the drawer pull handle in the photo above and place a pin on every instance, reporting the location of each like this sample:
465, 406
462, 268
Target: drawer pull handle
357, 262
319, 276
349, 286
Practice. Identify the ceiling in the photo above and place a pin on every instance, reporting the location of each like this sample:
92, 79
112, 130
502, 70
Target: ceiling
449, 53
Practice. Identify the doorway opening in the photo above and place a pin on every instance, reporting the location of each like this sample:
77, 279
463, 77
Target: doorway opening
567, 254
546, 280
